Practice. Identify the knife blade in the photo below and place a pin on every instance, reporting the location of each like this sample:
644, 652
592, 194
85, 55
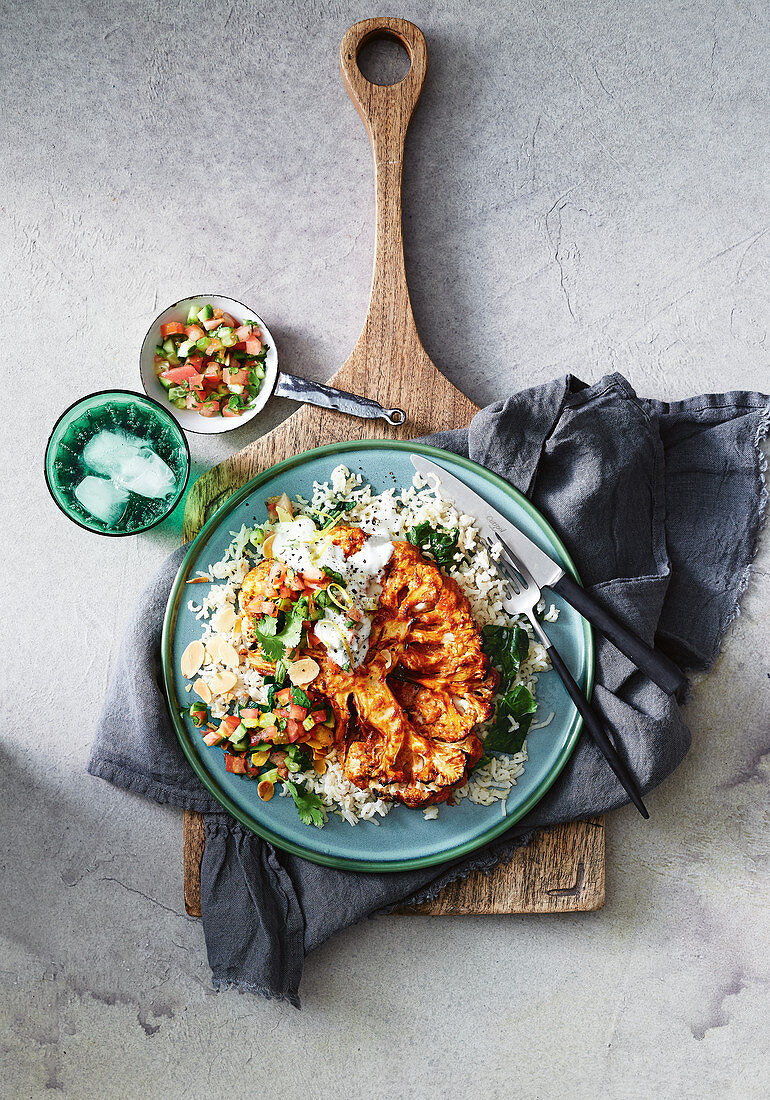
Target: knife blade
546, 572
544, 569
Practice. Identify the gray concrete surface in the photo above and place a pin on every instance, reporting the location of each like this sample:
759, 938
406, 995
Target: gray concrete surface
586, 190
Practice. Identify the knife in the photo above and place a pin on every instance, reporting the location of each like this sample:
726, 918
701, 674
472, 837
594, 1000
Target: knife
546, 572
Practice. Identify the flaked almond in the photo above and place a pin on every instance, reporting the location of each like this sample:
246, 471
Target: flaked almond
303, 672
224, 620
265, 790
228, 655
237, 624
319, 765
212, 649
222, 682
202, 689
267, 546
192, 659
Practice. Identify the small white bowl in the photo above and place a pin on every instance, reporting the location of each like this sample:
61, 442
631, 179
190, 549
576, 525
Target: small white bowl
188, 419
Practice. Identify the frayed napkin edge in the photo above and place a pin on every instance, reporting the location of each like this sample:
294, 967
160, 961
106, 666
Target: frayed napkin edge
139, 783
236, 985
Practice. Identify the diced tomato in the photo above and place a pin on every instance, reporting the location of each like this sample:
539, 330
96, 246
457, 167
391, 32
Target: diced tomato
179, 374
284, 592
215, 322
281, 712
250, 713
214, 347
195, 361
193, 400
272, 512
213, 370
296, 584
228, 320
213, 738
210, 407
269, 608
284, 695
227, 411
235, 377
218, 313
318, 716
243, 332
297, 712
171, 328
294, 731
355, 614
253, 346
235, 764
194, 332
313, 575
230, 722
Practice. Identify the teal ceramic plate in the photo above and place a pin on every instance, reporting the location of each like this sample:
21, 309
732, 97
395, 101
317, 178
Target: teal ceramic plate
403, 839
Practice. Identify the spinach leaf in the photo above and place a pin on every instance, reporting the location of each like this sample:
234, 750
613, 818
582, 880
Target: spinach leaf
439, 542
520, 705
507, 647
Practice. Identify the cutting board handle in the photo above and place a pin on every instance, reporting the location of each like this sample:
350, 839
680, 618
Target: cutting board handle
389, 332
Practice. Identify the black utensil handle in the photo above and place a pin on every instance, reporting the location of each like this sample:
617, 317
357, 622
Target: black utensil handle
594, 727
658, 667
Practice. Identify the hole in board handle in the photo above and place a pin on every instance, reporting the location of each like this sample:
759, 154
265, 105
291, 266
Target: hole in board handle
383, 59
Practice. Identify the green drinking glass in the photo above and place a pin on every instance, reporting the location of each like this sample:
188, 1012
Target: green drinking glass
117, 463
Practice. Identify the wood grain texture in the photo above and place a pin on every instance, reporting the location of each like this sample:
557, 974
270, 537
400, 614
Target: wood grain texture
564, 869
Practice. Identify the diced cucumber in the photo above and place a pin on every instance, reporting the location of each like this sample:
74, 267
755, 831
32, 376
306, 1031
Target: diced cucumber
166, 383
160, 350
169, 347
176, 392
203, 343
206, 313
185, 348
233, 388
192, 315
180, 403
259, 371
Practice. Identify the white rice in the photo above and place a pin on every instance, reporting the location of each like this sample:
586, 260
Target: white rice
392, 513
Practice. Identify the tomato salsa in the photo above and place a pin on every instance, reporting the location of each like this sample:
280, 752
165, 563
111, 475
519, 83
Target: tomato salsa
210, 363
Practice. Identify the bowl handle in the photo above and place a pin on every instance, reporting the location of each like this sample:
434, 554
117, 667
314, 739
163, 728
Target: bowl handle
314, 393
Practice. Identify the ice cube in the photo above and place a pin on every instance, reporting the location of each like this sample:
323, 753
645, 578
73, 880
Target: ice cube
102, 498
147, 474
109, 452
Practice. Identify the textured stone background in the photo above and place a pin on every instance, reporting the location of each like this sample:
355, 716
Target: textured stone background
586, 190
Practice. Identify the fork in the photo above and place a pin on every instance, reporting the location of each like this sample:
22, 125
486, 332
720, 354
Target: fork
522, 596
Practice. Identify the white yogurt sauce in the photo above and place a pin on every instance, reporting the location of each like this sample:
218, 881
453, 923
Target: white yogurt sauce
361, 573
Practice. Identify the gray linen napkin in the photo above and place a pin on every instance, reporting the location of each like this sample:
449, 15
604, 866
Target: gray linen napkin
660, 505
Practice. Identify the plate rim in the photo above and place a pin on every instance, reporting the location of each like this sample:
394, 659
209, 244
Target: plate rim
172, 702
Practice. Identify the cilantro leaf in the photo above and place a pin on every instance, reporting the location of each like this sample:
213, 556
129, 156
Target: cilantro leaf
300, 697
439, 542
275, 643
333, 575
309, 806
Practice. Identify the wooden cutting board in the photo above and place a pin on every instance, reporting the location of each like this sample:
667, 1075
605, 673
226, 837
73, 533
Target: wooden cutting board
563, 869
